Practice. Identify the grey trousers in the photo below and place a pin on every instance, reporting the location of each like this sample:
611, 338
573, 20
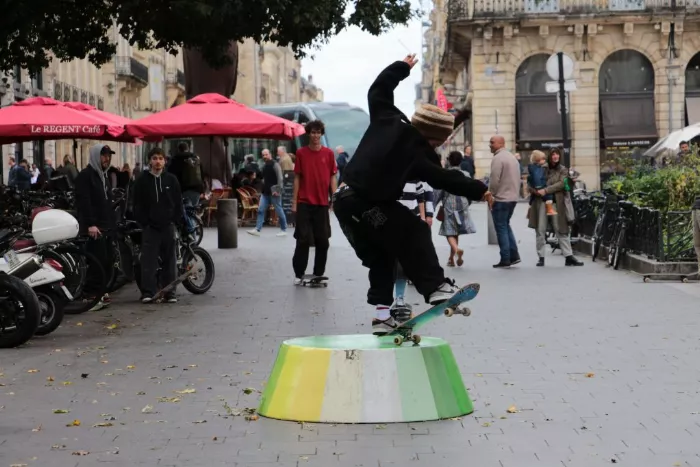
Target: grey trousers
542, 221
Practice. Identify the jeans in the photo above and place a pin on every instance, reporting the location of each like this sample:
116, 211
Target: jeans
276, 201
189, 198
502, 212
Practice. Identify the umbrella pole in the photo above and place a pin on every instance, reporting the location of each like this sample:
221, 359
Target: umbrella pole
75, 153
226, 159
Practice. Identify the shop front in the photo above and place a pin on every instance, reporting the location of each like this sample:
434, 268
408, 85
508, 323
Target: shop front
627, 111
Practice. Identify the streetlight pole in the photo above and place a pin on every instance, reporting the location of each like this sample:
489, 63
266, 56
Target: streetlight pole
562, 105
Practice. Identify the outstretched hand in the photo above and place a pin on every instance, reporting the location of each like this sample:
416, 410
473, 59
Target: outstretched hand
411, 60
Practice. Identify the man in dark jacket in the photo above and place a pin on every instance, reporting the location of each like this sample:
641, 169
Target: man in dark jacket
379, 228
468, 161
93, 200
158, 209
187, 168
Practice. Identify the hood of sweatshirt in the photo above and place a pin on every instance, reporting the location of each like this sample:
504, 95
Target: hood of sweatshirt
96, 164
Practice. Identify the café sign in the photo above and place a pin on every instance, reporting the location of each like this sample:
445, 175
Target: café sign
66, 129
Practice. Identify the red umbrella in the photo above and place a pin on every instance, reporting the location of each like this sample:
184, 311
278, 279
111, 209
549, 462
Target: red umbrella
43, 118
110, 118
213, 115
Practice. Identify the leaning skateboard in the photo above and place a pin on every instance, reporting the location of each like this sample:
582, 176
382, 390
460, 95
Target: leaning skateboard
309, 280
448, 308
191, 271
669, 276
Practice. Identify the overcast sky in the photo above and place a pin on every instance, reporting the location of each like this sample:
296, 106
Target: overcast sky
349, 63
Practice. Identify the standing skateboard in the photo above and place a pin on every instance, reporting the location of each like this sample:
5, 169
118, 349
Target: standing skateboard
448, 308
309, 280
669, 276
191, 271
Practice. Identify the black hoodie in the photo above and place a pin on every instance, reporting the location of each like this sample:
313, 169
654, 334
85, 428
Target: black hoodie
157, 200
392, 151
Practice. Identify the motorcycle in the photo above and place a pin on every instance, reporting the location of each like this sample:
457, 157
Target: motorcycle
20, 311
48, 226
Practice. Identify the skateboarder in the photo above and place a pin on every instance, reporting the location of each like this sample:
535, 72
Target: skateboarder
393, 151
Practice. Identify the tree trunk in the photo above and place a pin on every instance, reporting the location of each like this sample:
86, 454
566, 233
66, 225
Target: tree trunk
201, 78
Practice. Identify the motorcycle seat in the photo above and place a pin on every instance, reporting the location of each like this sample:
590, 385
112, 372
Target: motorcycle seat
23, 243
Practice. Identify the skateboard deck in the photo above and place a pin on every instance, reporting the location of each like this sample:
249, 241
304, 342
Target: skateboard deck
669, 276
447, 308
158, 298
309, 280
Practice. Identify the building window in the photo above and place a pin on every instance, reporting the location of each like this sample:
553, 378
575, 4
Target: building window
38, 80
627, 111
692, 91
538, 122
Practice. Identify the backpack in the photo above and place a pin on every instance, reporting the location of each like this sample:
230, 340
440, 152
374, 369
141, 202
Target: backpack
192, 172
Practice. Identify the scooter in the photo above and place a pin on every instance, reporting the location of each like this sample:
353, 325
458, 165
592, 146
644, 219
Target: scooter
20, 312
48, 226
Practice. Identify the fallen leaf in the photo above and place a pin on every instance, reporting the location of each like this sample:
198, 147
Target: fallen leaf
485, 424
105, 415
32, 371
512, 409
186, 391
113, 326
193, 366
75, 422
380, 427
78, 324
304, 458
249, 391
67, 383
80, 453
199, 421
251, 418
60, 411
147, 409
58, 446
37, 429
590, 375
105, 424
479, 375
503, 417
140, 393
104, 361
215, 438
168, 399
18, 465
130, 367
84, 375
50, 378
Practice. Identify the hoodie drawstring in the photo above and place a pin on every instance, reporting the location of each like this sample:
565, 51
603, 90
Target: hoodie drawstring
158, 184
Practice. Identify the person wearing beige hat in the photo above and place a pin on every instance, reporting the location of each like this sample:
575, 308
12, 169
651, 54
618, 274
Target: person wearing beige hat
381, 230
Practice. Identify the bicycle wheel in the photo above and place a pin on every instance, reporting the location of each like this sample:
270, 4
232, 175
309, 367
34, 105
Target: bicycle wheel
597, 236
93, 284
614, 259
203, 280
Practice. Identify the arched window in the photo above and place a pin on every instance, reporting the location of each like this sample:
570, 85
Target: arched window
692, 90
627, 113
538, 123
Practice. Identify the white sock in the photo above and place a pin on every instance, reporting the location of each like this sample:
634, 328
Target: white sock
382, 312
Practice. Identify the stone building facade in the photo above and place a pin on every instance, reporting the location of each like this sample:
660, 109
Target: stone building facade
637, 75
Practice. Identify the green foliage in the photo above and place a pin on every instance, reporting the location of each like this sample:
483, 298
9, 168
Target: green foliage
670, 188
35, 31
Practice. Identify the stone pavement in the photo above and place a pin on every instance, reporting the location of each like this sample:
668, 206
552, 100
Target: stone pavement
599, 367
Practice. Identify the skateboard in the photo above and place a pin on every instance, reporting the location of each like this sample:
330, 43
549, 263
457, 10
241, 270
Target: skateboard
448, 308
669, 276
309, 280
158, 298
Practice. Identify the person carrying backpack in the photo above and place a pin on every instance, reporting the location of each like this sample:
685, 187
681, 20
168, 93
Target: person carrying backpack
187, 168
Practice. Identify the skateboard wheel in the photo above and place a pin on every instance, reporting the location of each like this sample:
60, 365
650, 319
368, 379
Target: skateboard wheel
449, 312
467, 312
684, 280
398, 340
415, 339
646, 279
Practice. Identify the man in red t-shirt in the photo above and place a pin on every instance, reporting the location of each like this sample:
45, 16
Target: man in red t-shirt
314, 180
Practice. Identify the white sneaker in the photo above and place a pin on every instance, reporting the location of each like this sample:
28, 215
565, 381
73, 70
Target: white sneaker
282, 234
254, 233
381, 327
446, 290
297, 281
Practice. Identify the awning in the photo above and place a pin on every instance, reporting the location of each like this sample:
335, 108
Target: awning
692, 106
628, 120
538, 120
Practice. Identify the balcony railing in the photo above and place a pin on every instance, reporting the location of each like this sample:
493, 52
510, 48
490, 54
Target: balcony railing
475, 9
132, 68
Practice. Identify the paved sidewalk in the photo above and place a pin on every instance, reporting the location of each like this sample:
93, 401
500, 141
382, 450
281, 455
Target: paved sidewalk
600, 367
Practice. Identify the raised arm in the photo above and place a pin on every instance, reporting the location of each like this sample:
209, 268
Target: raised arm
380, 97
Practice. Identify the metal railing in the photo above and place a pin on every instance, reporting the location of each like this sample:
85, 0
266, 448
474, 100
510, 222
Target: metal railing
132, 68
662, 236
460, 10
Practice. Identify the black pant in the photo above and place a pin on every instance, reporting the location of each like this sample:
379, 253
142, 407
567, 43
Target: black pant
384, 233
102, 248
157, 244
313, 226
